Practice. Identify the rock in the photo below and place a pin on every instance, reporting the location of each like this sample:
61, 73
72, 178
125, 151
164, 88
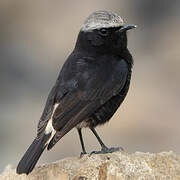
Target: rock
115, 166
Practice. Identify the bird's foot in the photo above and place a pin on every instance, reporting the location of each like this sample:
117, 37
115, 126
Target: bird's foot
105, 150
82, 154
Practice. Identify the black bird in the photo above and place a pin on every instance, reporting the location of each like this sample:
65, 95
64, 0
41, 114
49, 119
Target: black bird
92, 84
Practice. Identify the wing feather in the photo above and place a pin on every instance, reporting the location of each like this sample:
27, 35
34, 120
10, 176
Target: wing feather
86, 109
87, 89
80, 104
48, 110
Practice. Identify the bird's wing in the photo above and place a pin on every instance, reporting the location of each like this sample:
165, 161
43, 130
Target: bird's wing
49, 107
92, 91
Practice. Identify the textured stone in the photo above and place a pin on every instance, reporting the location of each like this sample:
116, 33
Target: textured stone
115, 166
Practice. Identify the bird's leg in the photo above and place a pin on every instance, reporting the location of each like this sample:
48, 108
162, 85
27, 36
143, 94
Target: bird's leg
104, 148
82, 142
98, 138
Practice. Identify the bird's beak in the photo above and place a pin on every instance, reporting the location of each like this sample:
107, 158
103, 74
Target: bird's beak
127, 27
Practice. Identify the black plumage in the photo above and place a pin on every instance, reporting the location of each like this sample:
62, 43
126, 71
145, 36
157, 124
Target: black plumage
91, 86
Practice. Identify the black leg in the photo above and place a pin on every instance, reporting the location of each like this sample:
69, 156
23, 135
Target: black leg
104, 149
98, 138
82, 143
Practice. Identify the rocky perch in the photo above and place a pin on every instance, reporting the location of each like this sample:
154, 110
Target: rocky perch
115, 166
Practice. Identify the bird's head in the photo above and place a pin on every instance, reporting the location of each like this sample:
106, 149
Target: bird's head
103, 31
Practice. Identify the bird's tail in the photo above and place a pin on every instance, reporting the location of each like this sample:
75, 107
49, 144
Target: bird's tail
32, 155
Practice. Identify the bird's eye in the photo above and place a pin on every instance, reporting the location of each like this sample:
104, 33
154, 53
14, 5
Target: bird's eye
103, 32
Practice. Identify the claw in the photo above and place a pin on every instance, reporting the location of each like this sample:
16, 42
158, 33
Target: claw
94, 152
82, 154
105, 150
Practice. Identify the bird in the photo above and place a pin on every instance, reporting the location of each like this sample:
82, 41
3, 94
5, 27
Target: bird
90, 87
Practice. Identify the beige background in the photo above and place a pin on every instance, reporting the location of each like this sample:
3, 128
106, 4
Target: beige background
35, 39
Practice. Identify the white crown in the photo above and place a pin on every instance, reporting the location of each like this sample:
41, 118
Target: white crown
102, 19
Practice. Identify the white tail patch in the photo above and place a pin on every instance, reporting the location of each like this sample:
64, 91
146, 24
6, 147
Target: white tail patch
49, 127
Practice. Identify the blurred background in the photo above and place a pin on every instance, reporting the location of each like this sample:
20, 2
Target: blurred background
35, 39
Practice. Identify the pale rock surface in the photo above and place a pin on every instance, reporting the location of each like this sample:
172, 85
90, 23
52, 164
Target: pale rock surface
115, 166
